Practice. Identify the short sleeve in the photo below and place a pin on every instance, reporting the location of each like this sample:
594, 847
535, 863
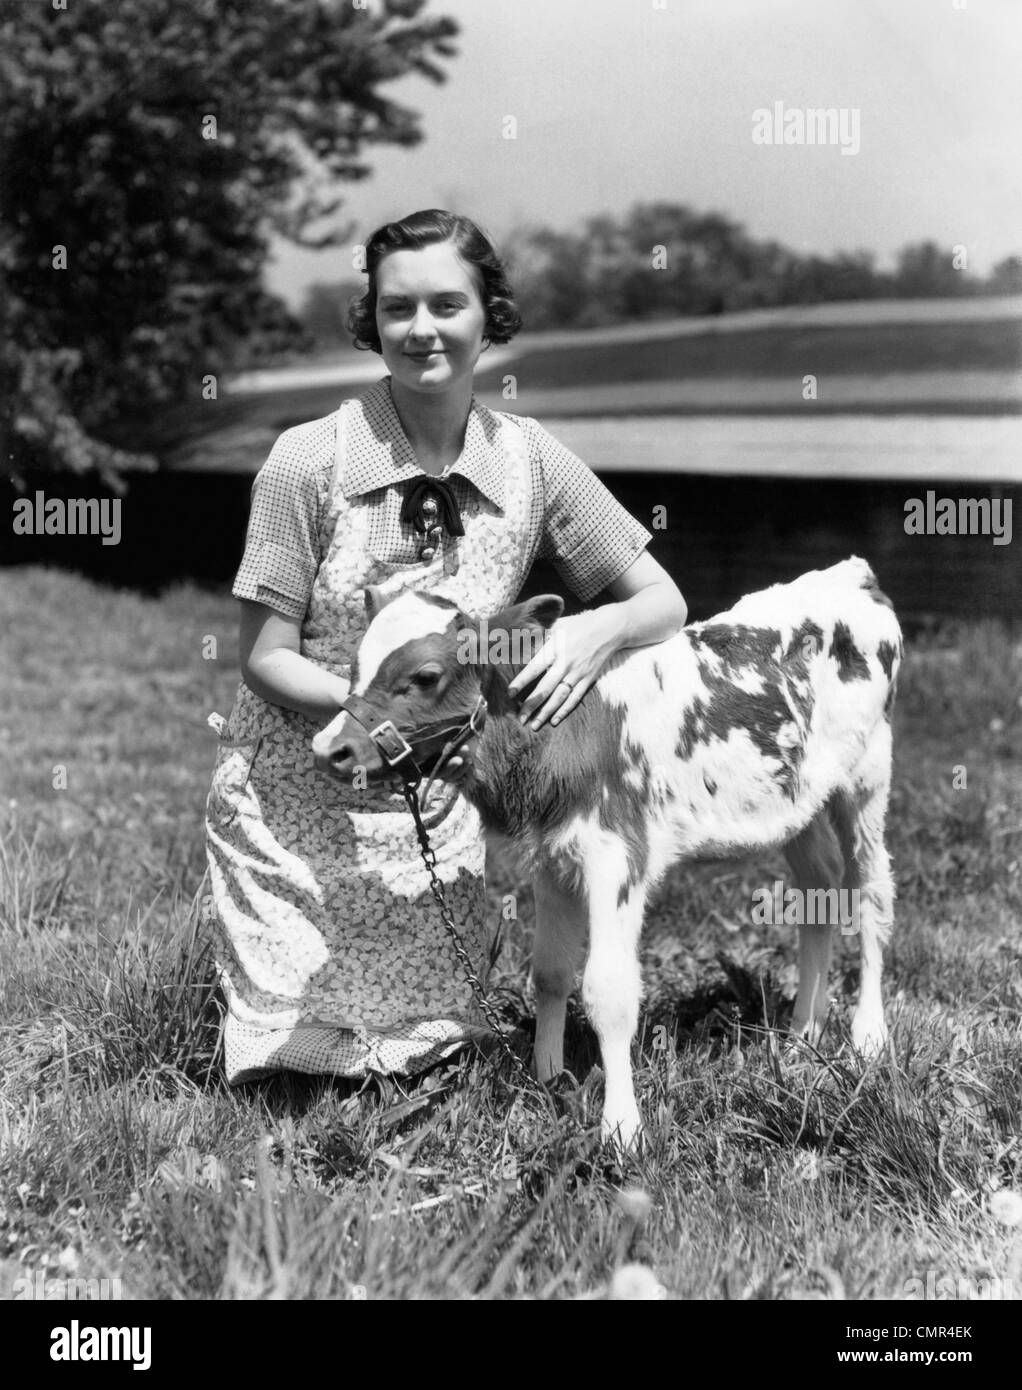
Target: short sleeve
282, 544
588, 535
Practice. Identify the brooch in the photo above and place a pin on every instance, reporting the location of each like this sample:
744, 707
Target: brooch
430, 506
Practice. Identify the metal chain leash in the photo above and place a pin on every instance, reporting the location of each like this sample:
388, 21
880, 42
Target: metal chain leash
410, 792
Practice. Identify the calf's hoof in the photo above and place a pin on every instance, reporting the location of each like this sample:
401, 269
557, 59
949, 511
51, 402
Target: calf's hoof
869, 1034
622, 1132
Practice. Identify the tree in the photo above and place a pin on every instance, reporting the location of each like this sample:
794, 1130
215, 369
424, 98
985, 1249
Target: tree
1006, 276
924, 270
324, 310
548, 272
148, 151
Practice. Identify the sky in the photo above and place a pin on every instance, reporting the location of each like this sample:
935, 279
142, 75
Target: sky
621, 101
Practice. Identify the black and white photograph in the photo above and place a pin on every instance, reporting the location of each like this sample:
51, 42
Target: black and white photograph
511, 665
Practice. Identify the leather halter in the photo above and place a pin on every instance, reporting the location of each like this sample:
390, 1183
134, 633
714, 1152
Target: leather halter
435, 740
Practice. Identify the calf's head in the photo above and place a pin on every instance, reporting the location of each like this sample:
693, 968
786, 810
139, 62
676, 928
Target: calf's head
423, 665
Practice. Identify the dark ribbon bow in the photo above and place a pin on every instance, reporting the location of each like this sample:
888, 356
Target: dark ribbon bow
449, 513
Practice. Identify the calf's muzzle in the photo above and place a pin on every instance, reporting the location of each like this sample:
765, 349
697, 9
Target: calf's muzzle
340, 748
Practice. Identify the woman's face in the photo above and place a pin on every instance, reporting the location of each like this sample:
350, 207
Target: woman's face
429, 316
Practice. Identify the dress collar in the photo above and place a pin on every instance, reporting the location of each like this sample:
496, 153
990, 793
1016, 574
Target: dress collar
378, 452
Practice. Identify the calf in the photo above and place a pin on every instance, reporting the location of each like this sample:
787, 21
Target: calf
767, 726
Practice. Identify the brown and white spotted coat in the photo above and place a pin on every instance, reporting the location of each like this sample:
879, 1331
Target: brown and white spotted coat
766, 726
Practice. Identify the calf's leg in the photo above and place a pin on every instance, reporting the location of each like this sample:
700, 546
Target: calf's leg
557, 952
859, 819
816, 862
612, 983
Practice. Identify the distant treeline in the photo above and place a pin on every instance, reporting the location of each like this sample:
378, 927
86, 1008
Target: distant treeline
660, 260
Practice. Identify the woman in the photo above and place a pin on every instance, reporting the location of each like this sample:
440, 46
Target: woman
330, 949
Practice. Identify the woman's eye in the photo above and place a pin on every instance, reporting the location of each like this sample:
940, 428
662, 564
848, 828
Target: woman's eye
398, 309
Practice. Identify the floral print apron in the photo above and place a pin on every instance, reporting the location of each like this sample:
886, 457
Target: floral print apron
330, 947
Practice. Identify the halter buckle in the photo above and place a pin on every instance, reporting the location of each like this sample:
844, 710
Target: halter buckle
392, 745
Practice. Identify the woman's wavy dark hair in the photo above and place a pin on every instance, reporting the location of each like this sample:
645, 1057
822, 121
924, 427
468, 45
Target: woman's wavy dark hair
427, 228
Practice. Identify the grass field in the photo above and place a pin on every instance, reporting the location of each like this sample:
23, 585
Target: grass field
782, 350
123, 1154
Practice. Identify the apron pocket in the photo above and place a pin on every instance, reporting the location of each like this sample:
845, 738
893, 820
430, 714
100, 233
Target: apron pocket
231, 777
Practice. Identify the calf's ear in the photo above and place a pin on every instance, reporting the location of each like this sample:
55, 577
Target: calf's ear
544, 609
541, 611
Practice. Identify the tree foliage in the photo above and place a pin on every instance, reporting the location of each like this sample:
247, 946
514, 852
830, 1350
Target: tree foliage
659, 260
324, 310
160, 143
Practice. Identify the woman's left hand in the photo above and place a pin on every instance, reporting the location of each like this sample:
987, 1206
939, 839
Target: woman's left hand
574, 653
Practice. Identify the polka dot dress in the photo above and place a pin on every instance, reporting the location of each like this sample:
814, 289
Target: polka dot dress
330, 947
